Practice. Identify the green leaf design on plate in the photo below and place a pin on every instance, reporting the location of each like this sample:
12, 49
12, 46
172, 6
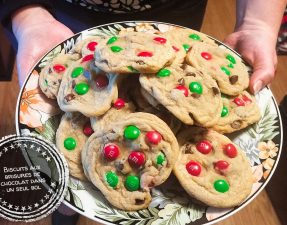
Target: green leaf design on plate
110, 31
75, 184
141, 217
265, 129
176, 214
163, 196
77, 200
50, 127
113, 30
131, 24
50, 56
68, 196
159, 199
118, 27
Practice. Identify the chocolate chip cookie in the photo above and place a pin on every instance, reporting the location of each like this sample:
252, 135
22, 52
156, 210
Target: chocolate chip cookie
212, 169
51, 75
237, 113
134, 52
222, 64
87, 90
189, 94
129, 157
71, 136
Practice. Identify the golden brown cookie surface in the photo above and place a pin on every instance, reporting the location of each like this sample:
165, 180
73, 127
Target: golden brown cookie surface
212, 169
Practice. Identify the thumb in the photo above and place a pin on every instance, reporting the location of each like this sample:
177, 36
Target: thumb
231, 40
263, 73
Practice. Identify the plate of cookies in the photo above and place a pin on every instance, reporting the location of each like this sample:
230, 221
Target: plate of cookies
155, 122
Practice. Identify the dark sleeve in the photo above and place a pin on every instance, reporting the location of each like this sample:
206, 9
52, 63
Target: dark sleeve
7, 7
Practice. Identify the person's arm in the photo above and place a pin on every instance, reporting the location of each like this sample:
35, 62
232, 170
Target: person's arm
37, 32
255, 36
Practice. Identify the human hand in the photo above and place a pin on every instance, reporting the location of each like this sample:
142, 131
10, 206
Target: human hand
256, 44
37, 32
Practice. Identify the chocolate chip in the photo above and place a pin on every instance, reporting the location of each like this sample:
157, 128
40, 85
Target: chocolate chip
233, 79
73, 84
104, 61
151, 184
195, 95
181, 81
187, 148
119, 166
54, 82
215, 90
189, 74
190, 115
69, 97
140, 62
50, 70
200, 72
59, 80
236, 124
183, 66
139, 201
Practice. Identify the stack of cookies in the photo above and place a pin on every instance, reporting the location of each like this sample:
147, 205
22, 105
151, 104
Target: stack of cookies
140, 106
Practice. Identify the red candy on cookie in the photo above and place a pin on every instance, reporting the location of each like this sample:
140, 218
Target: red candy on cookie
88, 131
206, 55
193, 168
101, 81
160, 40
175, 48
92, 45
59, 68
239, 102
87, 58
221, 165
119, 103
204, 147
153, 137
136, 159
230, 150
145, 54
183, 89
111, 151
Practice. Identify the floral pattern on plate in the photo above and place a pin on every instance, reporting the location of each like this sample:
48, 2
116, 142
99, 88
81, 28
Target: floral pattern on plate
170, 205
